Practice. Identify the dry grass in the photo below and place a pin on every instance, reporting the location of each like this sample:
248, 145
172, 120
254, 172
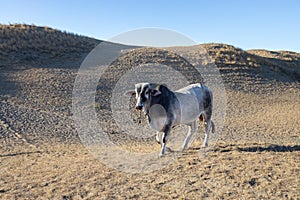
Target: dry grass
284, 62
230, 172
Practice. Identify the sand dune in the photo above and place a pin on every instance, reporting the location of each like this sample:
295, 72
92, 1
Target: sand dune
257, 156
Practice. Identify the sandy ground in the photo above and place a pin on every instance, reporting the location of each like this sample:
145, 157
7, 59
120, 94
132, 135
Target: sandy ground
41, 156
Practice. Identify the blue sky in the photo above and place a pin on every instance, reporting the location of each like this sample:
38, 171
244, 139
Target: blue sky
248, 24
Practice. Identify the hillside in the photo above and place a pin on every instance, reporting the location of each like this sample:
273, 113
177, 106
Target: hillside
30, 45
284, 63
39, 64
22, 44
255, 156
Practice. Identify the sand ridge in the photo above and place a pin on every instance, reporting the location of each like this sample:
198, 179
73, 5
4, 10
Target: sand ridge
256, 157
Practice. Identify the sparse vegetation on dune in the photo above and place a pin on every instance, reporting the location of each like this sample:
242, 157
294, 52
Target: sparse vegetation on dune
22, 44
285, 63
41, 155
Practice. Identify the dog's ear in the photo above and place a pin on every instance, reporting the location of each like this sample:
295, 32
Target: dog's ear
129, 93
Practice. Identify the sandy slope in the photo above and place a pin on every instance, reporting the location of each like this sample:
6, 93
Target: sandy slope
256, 157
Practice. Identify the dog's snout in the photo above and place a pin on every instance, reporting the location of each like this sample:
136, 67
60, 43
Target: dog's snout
139, 107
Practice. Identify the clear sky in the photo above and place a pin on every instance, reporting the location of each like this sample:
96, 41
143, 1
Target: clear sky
248, 24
